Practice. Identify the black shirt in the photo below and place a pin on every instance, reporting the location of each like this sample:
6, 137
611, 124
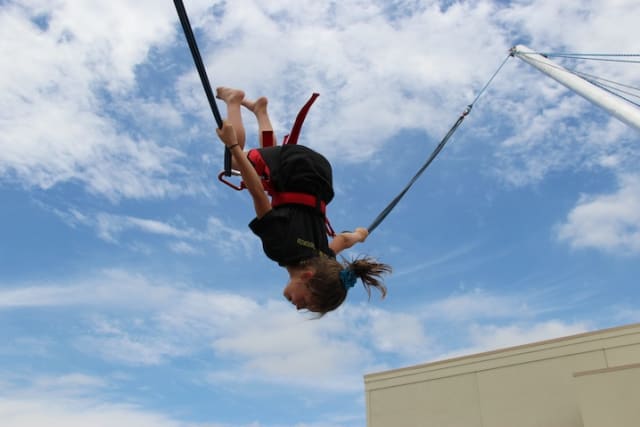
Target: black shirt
291, 234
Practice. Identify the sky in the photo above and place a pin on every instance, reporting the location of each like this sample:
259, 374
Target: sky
132, 292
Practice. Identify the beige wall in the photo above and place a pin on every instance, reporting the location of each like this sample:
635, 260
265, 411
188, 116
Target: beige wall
527, 386
610, 397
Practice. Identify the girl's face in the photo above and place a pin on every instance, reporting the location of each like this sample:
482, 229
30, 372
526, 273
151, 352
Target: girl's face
298, 293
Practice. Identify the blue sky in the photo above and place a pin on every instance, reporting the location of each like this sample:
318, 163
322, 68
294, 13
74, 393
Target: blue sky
132, 291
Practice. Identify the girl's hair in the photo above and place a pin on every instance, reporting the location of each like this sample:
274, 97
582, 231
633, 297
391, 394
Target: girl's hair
326, 284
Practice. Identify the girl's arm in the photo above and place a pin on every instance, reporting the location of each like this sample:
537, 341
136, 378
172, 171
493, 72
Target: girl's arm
252, 181
347, 239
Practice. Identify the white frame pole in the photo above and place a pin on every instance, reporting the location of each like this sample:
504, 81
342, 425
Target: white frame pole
616, 106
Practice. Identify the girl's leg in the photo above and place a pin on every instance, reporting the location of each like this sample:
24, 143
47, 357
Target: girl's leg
265, 129
233, 98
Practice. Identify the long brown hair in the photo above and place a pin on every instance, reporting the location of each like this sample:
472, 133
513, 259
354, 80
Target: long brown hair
326, 285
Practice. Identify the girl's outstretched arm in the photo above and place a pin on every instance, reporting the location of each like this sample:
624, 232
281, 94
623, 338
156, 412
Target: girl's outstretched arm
347, 239
252, 181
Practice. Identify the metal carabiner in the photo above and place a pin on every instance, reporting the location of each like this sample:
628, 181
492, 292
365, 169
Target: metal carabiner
221, 177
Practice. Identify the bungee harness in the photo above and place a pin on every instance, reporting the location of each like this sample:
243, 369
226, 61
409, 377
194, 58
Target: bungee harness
279, 198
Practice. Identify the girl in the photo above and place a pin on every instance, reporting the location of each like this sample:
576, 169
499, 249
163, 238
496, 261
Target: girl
292, 225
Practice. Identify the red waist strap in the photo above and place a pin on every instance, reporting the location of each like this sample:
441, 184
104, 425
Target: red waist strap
278, 199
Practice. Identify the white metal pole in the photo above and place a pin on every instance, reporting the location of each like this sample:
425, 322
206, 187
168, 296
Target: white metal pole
616, 106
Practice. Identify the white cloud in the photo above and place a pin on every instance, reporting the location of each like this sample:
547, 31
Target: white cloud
108, 289
229, 240
626, 314
609, 222
110, 226
51, 411
133, 351
396, 333
478, 304
74, 384
159, 112
184, 248
452, 257
35, 410
546, 21
226, 239
487, 337
73, 399
89, 39
36, 296
55, 127
276, 346
136, 321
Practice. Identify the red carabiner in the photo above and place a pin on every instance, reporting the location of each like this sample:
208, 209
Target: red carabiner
221, 177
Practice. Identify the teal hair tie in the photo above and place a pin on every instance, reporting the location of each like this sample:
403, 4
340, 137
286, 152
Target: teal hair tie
348, 278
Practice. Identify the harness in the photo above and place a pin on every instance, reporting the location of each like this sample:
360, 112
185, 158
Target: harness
286, 198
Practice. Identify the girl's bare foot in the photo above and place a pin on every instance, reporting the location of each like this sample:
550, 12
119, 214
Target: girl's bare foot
229, 95
258, 106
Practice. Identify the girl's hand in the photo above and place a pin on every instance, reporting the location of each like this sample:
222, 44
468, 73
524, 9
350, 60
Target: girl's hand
362, 232
227, 134
347, 239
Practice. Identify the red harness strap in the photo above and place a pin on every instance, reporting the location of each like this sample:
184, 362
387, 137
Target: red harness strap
278, 199
292, 138
284, 198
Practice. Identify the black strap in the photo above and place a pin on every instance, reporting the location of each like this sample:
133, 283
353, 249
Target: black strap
193, 46
435, 152
433, 155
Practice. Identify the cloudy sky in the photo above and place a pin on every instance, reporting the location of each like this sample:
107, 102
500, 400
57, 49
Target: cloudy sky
132, 292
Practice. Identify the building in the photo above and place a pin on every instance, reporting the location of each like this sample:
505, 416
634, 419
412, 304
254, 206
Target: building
585, 380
